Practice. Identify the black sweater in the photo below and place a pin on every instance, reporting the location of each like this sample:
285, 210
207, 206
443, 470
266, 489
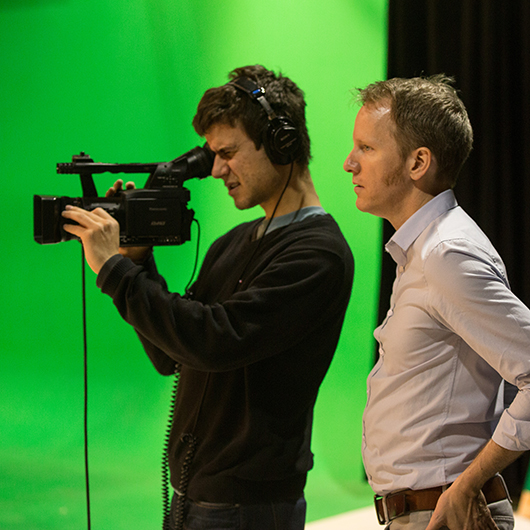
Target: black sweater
254, 342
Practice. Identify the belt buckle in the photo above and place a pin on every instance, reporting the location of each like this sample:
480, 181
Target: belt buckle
387, 517
384, 519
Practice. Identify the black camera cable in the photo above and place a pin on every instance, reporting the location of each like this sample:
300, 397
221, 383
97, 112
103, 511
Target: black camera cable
166, 501
187, 289
189, 439
165, 465
85, 377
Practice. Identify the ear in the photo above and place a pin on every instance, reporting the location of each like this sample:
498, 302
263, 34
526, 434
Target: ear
419, 162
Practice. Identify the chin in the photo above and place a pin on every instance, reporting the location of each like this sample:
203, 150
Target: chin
360, 206
243, 205
366, 208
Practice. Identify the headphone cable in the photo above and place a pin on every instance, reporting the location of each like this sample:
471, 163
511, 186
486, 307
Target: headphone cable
240, 281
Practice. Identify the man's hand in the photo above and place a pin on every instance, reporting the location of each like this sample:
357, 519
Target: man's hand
118, 186
99, 232
137, 254
458, 511
463, 506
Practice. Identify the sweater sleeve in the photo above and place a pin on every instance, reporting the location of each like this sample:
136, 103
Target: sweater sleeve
300, 289
109, 276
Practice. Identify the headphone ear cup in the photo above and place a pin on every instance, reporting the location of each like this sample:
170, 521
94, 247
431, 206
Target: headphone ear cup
281, 140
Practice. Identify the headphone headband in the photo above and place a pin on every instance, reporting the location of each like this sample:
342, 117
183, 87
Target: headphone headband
257, 93
281, 139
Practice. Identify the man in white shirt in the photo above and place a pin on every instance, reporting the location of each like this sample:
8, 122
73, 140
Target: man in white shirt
434, 416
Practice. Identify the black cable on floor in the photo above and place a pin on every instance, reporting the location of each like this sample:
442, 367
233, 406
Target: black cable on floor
85, 371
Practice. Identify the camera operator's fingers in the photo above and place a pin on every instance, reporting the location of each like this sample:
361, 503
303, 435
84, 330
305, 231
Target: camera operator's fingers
101, 213
115, 188
99, 232
118, 186
77, 215
85, 218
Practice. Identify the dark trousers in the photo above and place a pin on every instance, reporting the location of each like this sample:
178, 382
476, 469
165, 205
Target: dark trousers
285, 515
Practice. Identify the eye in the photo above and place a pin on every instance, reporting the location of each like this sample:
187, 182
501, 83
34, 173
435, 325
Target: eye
221, 154
226, 154
365, 148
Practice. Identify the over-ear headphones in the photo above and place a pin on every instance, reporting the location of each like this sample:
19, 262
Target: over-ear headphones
281, 139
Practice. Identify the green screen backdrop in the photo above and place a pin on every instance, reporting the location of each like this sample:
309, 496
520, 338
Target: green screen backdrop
120, 80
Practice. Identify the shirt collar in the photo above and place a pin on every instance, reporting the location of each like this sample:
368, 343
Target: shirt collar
400, 242
289, 218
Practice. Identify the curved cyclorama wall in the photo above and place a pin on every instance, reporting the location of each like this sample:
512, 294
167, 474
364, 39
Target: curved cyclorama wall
120, 81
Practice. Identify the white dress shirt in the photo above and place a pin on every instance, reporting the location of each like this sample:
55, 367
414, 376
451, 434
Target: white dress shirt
453, 332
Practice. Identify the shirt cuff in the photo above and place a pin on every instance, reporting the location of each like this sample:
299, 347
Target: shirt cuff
513, 433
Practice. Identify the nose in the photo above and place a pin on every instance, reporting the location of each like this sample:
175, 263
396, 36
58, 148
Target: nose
220, 167
350, 165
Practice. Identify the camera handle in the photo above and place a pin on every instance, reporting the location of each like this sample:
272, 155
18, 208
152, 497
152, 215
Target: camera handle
83, 165
87, 181
196, 163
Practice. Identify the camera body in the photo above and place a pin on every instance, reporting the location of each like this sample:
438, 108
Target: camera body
153, 216
147, 217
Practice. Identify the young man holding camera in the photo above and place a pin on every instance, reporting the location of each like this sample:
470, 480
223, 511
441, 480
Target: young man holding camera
255, 335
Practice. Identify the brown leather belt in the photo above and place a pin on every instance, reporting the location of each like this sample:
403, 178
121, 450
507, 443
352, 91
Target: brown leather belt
393, 505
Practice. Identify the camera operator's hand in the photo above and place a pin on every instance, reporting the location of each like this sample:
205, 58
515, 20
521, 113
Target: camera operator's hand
99, 232
117, 187
137, 254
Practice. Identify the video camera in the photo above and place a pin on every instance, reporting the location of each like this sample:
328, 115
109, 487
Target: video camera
155, 215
